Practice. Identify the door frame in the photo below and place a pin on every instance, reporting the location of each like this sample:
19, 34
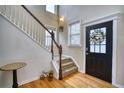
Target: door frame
114, 18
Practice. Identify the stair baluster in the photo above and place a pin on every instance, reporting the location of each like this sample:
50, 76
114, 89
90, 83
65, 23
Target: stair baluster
21, 17
52, 40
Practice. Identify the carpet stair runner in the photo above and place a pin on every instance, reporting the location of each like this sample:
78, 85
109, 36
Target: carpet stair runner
68, 67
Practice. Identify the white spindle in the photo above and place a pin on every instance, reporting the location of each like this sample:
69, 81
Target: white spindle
4, 10
37, 33
19, 20
27, 25
22, 24
21, 17
13, 14
26, 22
30, 31
11, 11
7, 11
22, 20
39, 36
0, 9
16, 18
34, 28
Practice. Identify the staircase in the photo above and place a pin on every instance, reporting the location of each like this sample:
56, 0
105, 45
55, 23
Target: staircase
69, 66
23, 19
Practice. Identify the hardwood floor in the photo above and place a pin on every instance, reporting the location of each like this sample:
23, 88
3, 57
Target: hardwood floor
76, 80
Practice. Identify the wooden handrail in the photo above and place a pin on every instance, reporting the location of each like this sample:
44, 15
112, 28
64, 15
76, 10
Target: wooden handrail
53, 40
35, 18
41, 24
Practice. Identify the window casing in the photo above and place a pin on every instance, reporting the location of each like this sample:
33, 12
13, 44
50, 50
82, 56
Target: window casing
74, 34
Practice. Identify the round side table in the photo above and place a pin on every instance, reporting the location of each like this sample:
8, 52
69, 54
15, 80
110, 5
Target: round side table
13, 67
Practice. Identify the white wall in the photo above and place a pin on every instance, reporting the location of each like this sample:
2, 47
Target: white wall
15, 46
87, 13
45, 17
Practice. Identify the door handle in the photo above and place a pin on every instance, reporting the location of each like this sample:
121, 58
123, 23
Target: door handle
86, 49
87, 53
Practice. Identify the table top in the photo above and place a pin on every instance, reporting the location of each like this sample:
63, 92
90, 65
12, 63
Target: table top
13, 66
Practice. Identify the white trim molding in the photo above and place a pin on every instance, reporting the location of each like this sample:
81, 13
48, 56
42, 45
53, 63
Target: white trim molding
69, 37
28, 80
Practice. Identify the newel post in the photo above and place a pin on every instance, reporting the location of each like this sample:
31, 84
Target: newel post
60, 64
52, 38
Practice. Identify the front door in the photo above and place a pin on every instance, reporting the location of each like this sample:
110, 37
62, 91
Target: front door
99, 50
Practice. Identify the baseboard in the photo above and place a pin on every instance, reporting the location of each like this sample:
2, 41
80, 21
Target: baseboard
118, 85
114, 84
24, 82
28, 80
9, 86
81, 71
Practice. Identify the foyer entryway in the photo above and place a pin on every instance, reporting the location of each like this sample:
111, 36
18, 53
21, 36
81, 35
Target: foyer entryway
99, 50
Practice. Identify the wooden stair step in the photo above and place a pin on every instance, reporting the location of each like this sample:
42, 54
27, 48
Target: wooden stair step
67, 63
68, 66
65, 60
69, 71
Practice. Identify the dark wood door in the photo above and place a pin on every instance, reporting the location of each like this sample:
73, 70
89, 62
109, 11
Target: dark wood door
99, 50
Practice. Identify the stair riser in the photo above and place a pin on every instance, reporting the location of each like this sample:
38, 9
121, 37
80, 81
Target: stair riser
66, 60
70, 72
68, 66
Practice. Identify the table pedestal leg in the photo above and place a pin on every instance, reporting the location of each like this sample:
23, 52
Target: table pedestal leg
15, 84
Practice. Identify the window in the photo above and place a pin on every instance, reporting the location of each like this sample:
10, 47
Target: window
50, 8
74, 34
98, 40
48, 38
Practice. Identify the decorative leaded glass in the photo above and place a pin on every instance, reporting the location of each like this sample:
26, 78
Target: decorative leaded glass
98, 40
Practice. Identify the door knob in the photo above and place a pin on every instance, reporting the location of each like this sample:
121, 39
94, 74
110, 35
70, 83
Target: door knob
86, 53
86, 49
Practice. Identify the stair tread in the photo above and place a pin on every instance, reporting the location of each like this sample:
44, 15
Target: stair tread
67, 63
69, 69
57, 58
